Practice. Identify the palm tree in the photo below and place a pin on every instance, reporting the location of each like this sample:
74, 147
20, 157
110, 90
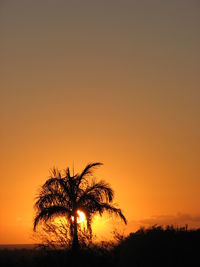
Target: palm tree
64, 195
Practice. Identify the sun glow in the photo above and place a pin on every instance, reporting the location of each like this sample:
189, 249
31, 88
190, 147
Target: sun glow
80, 217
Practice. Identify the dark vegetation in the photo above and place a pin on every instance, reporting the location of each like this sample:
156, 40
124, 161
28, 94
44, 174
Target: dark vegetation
155, 246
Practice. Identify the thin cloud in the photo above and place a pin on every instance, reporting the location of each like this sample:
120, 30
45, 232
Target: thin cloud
180, 219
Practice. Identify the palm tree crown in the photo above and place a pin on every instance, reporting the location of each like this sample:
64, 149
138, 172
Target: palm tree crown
63, 194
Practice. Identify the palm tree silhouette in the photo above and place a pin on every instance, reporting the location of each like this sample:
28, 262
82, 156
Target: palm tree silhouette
63, 194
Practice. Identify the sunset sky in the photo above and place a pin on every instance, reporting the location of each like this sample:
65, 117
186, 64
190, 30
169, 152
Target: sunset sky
110, 81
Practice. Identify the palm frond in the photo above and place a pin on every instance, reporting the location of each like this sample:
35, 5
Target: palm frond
51, 182
45, 200
100, 190
88, 170
112, 209
50, 212
89, 204
55, 185
67, 173
55, 173
95, 206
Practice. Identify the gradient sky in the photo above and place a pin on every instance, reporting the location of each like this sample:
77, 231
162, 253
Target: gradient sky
110, 81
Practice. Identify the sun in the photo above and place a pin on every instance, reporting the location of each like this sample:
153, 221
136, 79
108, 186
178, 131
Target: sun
80, 217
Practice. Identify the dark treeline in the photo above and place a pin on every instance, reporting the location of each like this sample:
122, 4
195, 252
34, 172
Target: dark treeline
155, 246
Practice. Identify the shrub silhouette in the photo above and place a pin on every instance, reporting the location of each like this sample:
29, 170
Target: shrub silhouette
159, 246
152, 247
65, 194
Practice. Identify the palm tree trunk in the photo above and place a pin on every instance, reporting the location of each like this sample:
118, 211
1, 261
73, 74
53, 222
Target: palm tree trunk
75, 242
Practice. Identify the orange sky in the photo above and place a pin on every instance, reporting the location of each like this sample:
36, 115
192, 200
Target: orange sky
110, 81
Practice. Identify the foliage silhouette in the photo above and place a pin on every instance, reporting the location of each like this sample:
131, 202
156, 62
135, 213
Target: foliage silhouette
152, 247
159, 246
65, 194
